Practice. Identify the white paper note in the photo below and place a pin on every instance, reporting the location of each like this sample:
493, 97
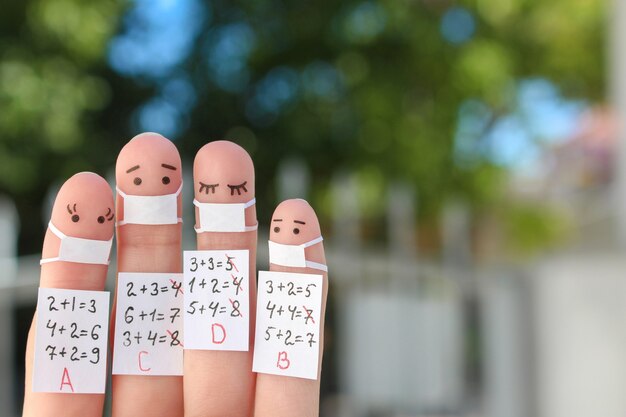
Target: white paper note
71, 341
288, 324
149, 324
217, 304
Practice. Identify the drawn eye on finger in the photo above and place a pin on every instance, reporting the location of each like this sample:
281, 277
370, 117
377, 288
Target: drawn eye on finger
296, 230
276, 227
238, 188
206, 187
136, 180
72, 210
107, 217
166, 179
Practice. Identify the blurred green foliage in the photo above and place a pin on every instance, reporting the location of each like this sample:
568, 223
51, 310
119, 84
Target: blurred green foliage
372, 87
529, 227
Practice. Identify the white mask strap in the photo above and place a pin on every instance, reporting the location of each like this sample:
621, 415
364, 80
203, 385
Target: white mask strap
55, 230
311, 264
58, 234
312, 242
250, 203
48, 260
122, 222
316, 265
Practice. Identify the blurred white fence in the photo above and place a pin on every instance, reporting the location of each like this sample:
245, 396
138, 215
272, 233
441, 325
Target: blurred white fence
580, 323
399, 331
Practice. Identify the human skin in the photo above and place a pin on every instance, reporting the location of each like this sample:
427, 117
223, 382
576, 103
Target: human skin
280, 396
221, 383
91, 218
147, 248
216, 383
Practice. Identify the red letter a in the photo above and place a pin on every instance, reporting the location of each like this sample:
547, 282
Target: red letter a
65, 380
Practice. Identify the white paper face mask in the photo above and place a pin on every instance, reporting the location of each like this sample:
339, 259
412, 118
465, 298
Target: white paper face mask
150, 209
79, 250
219, 217
294, 255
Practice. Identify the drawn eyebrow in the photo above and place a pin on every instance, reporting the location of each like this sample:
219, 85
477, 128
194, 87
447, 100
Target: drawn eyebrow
173, 168
136, 167
277, 220
299, 222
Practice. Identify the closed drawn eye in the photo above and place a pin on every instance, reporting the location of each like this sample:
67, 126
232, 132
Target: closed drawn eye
238, 188
206, 187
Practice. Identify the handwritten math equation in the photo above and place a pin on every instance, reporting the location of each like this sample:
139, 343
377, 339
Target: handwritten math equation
217, 303
288, 324
149, 324
71, 341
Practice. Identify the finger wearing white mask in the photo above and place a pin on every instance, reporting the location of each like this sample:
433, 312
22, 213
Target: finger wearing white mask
75, 255
221, 383
149, 182
149, 203
291, 237
295, 246
224, 189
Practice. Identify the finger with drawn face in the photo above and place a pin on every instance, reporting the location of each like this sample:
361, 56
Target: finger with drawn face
294, 223
221, 383
149, 180
83, 209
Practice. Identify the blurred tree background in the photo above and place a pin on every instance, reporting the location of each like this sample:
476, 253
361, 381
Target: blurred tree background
420, 91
